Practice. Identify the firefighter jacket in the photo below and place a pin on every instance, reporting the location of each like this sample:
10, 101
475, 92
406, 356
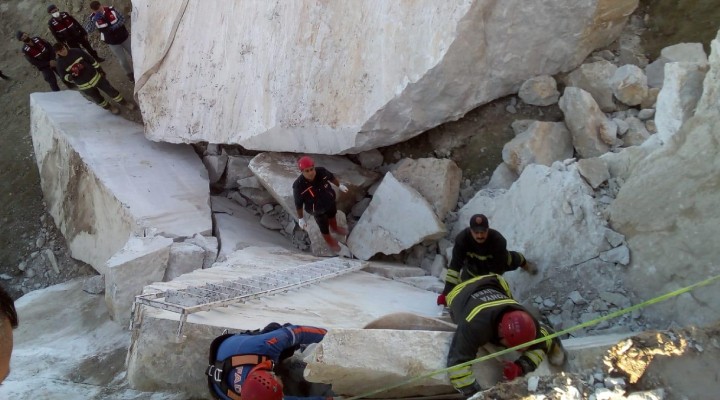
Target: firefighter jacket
470, 258
39, 53
266, 346
111, 25
79, 68
477, 307
66, 28
316, 197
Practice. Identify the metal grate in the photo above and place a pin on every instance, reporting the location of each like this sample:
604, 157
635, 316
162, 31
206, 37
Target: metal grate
194, 299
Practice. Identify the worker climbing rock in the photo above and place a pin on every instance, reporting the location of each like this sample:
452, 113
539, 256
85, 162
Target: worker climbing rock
478, 251
485, 312
313, 192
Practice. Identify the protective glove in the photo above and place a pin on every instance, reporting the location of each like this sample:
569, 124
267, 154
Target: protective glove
511, 370
343, 188
302, 224
469, 391
441, 301
530, 268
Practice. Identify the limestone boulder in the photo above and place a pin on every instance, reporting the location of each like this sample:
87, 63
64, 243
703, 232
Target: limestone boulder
594, 78
681, 52
629, 84
344, 77
104, 182
678, 98
542, 143
397, 218
585, 120
438, 180
667, 210
539, 91
277, 172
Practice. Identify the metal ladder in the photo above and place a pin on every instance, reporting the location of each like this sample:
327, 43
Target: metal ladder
213, 295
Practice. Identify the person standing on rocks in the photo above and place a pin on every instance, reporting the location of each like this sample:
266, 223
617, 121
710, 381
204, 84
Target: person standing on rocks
40, 54
312, 191
111, 25
480, 250
76, 66
486, 313
8, 322
66, 29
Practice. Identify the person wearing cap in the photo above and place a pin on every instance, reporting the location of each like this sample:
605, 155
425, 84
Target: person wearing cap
41, 55
76, 66
480, 250
486, 313
66, 29
312, 191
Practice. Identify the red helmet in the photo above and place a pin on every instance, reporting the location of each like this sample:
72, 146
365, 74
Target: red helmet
260, 384
305, 162
517, 327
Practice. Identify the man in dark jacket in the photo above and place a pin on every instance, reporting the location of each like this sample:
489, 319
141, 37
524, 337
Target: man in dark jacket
312, 191
68, 30
40, 54
111, 25
485, 312
243, 363
78, 67
480, 250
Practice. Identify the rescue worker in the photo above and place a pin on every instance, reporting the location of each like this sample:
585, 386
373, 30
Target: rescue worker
8, 322
66, 29
480, 250
111, 25
40, 53
243, 363
312, 191
78, 67
485, 312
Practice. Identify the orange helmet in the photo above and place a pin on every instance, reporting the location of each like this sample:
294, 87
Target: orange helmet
305, 162
260, 384
517, 327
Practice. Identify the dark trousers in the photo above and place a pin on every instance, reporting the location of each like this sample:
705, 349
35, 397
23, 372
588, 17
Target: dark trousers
107, 88
49, 76
82, 41
323, 219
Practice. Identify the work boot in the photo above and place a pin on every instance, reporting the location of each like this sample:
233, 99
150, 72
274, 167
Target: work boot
128, 104
337, 229
112, 109
331, 242
558, 354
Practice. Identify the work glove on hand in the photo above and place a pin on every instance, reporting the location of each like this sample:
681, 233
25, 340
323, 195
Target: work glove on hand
530, 268
302, 224
511, 370
343, 188
469, 391
441, 301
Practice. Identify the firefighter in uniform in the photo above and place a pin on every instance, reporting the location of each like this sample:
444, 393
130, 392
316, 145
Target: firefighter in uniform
485, 312
242, 364
65, 28
312, 191
480, 250
76, 66
40, 54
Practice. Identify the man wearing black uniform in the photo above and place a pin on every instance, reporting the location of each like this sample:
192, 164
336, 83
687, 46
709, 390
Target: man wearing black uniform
76, 66
480, 250
485, 312
68, 30
41, 55
313, 191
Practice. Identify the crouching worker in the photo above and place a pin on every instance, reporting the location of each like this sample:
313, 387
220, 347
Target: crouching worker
485, 312
242, 365
76, 66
